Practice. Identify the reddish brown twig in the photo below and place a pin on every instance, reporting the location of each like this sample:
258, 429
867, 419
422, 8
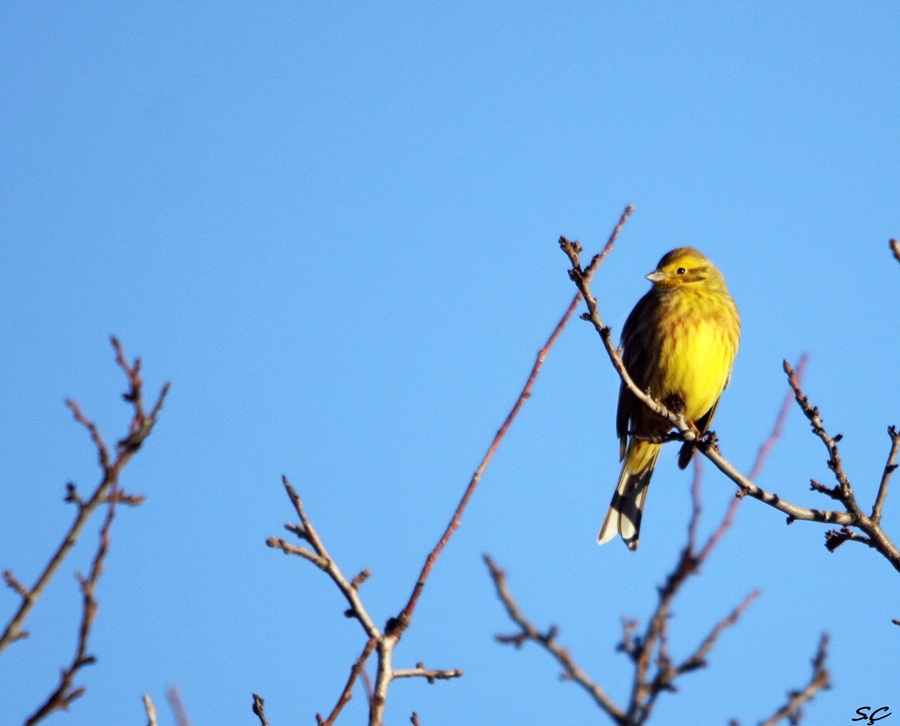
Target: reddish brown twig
396, 626
767, 445
895, 248
401, 622
347, 693
177, 705
597, 259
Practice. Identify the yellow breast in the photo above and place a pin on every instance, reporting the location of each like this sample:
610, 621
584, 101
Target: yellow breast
697, 351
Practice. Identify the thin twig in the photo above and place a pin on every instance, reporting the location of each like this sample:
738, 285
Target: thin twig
651, 646
597, 260
150, 709
820, 681
777, 430
895, 248
177, 706
259, 709
761, 457
347, 694
64, 694
873, 535
548, 641
397, 626
698, 658
430, 675
889, 468
403, 619
384, 643
818, 427
324, 561
140, 427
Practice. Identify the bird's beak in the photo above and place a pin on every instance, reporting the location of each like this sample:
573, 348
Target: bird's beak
656, 276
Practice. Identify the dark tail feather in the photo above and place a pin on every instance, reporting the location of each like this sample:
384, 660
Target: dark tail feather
627, 507
685, 455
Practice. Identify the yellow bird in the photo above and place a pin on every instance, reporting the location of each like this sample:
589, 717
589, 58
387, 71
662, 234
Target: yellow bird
679, 344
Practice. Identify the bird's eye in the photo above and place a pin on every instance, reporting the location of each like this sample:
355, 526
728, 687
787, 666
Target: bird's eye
680, 271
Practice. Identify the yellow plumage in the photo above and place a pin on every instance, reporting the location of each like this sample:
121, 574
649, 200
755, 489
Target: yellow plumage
679, 343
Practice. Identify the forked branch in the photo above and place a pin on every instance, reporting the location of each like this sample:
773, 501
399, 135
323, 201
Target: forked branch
384, 642
108, 492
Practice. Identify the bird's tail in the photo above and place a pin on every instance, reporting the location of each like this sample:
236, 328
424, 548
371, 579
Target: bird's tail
624, 514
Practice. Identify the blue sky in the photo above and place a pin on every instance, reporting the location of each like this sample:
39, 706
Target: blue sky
333, 228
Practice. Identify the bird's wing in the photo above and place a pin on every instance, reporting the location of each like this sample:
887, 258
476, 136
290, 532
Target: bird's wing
637, 355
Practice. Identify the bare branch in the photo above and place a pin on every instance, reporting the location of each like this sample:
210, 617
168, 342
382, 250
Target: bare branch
597, 260
895, 248
259, 710
767, 445
872, 533
357, 581
289, 549
647, 651
889, 468
346, 694
11, 580
150, 709
64, 694
651, 647
698, 658
571, 670
323, 561
812, 414
420, 671
820, 681
401, 622
139, 429
755, 471
177, 706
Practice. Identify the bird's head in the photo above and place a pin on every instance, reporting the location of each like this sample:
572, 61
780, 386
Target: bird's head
685, 266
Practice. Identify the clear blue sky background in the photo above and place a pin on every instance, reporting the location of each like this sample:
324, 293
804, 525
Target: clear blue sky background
333, 228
